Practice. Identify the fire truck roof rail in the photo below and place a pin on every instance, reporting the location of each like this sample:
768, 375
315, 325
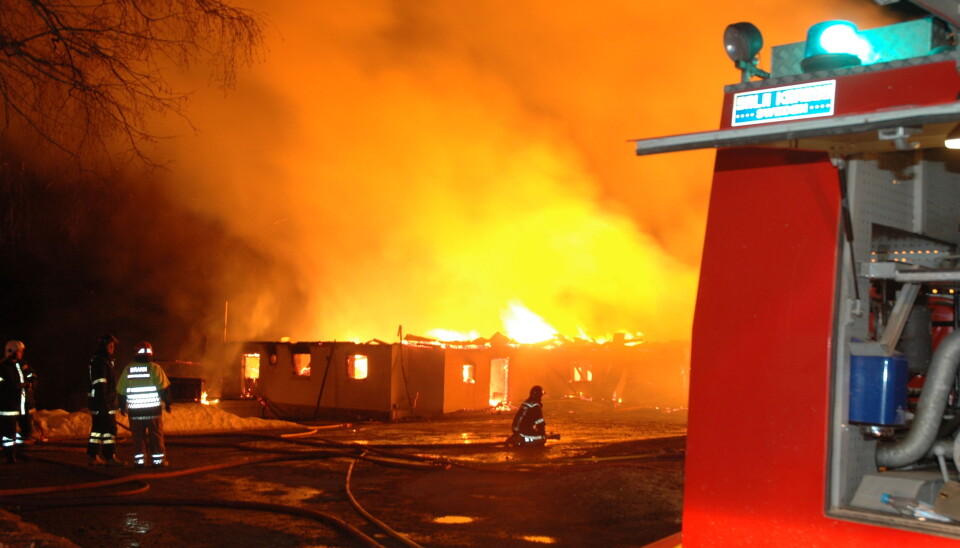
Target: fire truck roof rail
786, 133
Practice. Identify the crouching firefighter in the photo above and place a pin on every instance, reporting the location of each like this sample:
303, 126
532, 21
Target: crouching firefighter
143, 391
529, 428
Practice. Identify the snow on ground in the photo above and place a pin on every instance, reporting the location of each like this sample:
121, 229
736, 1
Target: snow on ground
185, 418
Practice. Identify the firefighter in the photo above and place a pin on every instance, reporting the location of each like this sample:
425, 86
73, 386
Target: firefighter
529, 428
143, 391
12, 398
25, 420
102, 402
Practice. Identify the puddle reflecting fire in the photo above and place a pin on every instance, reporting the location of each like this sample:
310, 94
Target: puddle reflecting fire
539, 539
447, 520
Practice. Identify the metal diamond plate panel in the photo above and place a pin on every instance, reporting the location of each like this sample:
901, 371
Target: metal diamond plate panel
941, 202
880, 197
905, 211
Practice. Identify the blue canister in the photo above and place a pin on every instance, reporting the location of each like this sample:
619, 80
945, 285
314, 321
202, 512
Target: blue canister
878, 385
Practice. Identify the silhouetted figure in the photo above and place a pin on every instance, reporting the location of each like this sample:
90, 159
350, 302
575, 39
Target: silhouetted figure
13, 401
529, 428
29, 388
27, 399
102, 402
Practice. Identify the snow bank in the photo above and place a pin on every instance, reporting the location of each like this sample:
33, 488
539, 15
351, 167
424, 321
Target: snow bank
185, 418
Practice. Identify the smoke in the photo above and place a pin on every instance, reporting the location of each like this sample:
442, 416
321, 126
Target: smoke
427, 163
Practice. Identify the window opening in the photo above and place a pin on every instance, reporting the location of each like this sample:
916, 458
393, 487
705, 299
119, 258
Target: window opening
301, 365
582, 372
357, 366
251, 372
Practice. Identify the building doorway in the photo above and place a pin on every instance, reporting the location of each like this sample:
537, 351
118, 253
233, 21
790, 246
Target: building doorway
499, 375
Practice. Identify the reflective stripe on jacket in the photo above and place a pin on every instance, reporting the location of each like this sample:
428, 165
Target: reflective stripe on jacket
143, 385
528, 422
102, 395
12, 394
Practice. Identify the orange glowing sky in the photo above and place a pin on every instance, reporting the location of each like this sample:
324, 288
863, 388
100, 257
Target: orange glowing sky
429, 162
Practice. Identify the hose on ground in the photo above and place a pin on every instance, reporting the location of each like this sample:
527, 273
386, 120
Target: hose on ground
382, 456
383, 526
231, 504
400, 459
200, 469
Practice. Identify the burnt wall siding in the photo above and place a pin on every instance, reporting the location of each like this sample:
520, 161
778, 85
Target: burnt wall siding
459, 395
418, 380
279, 383
342, 392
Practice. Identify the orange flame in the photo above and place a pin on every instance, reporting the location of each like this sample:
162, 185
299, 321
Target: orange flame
449, 335
524, 326
408, 163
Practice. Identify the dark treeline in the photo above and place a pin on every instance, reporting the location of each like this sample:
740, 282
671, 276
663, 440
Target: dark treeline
84, 258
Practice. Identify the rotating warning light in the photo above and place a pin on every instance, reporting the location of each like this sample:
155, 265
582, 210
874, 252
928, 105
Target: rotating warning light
743, 42
832, 45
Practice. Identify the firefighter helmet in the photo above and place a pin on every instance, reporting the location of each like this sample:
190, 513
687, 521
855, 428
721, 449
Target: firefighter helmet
108, 338
144, 349
536, 392
14, 346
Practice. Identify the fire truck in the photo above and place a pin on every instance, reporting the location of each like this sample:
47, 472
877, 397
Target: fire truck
823, 386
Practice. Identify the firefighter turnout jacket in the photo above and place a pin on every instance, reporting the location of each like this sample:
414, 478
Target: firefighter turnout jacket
143, 389
528, 423
15, 401
15, 379
102, 394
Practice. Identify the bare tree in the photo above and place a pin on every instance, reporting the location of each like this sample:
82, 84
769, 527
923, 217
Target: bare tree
80, 73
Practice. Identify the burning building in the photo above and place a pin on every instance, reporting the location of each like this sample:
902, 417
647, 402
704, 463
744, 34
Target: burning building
424, 377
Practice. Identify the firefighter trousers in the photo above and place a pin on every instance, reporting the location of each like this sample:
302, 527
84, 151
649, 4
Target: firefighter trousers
103, 435
8, 436
147, 434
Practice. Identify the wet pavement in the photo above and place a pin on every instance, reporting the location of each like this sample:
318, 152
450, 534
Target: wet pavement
613, 479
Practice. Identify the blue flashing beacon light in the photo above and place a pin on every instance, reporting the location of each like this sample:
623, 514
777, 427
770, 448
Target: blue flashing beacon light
834, 44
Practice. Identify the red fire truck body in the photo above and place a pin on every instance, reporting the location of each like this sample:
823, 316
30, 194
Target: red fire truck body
827, 236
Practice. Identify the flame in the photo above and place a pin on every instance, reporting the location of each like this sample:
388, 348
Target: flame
524, 326
449, 335
301, 364
408, 163
205, 401
357, 366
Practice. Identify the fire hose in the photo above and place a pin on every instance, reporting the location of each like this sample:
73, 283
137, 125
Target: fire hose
320, 516
100, 501
388, 455
390, 451
384, 455
383, 526
232, 504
